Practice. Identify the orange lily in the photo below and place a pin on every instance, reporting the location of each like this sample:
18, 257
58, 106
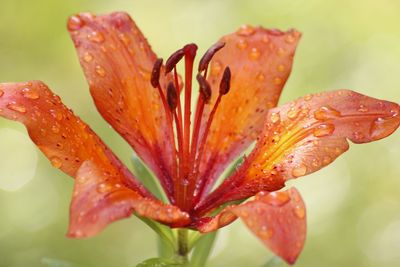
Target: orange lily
240, 80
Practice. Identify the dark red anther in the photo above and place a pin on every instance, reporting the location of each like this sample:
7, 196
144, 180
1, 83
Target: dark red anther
225, 83
190, 50
173, 60
205, 88
172, 97
155, 73
208, 55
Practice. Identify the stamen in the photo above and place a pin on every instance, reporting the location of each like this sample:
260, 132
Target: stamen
171, 96
223, 90
208, 55
225, 83
155, 73
205, 88
173, 60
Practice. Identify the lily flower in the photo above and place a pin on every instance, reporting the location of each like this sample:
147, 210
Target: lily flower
189, 145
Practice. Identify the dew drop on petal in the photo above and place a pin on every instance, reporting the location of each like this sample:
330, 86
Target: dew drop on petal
278, 81
379, 128
260, 77
254, 54
96, 37
290, 39
30, 93
292, 113
324, 130
246, 30
55, 129
74, 23
299, 211
265, 233
326, 113
280, 68
275, 117
308, 97
241, 44
15, 107
56, 162
299, 170
278, 199
87, 57
100, 71
362, 108
56, 114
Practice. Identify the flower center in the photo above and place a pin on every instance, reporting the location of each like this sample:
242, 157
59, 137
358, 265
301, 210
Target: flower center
189, 145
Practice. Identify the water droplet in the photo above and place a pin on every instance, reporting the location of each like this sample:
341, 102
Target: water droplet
216, 67
14, 106
290, 39
380, 128
100, 71
362, 108
280, 68
30, 93
56, 162
1, 93
55, 128
308, 97
260, 77
265, 233
87, 57
56, 114
300, 170
275, 117
324, 129
102, 188
292, 113
299, 211
278, 81
74, 23
124, 38
278, 198
281, 52
96, 37
265, 39
241, 44
358, 136
246, 30
326, 160
254, 54
326, 113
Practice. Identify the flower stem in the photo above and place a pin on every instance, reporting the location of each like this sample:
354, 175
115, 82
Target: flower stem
183, 245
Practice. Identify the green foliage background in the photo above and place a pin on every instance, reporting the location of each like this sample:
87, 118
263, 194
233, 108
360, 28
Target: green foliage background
353, 205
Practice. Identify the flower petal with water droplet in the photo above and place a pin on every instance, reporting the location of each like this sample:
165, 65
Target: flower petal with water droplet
278, 219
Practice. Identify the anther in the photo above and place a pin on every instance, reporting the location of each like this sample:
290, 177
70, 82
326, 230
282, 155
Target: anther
172, 97
173, 60
190, 50
205, 88
208, 55
225, 83
155, 73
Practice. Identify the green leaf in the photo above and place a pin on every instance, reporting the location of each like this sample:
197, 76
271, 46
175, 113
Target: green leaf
48, 262
273, 262
159, 262
147, 178
202, 250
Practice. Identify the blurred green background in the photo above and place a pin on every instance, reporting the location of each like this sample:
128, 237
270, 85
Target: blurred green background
353, 205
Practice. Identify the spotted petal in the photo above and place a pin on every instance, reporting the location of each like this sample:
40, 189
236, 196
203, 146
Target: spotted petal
260, 61
303, 136
104, 187
101, 198
117, 61
277, 218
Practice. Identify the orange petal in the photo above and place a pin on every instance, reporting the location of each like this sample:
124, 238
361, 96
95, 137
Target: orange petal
117, 61
303, 136
64, 138
260, 61
277, 218
100, 198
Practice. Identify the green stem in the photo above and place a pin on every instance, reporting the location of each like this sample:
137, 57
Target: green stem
183, 245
